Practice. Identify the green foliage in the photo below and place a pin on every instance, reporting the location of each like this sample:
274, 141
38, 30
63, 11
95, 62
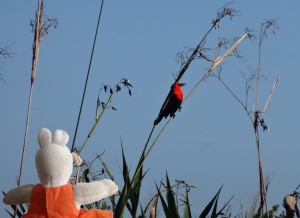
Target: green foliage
171, 207
130, 194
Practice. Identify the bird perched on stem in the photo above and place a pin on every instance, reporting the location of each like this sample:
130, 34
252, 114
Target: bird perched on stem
172, 102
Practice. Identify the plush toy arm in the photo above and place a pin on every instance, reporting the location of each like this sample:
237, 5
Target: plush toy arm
19, 195
86, 193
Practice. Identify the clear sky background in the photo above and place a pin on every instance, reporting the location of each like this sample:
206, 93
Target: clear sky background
210, 142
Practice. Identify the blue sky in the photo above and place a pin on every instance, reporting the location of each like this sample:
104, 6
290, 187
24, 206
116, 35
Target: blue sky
210, 142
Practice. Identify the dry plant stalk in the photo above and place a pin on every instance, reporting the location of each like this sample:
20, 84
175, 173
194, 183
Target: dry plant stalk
40, 29
36, 45
257, 118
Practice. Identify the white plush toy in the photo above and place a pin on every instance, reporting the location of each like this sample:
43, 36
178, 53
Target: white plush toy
55, 197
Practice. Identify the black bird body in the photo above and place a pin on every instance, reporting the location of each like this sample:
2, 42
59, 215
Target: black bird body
172, 102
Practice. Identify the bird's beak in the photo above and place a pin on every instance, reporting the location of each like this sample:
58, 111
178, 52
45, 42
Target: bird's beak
182, 84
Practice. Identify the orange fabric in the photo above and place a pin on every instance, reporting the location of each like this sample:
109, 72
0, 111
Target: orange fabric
95, 214
59, 202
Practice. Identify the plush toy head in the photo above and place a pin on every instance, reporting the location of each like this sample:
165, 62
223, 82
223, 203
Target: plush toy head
54, 161
55, 197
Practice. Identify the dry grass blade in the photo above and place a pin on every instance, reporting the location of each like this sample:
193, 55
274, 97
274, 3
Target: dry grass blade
271, 93
216, 63
154, 207
228, 52
107, 169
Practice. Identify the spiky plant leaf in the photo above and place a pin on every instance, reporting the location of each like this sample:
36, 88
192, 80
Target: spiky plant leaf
134, 194
125, 172
214, 212
119, 210
221, 210
104, 205
207, 209
88, 206
171, 199
113, 202
11, 215
143, 214
164, 204
186, 209
97, 205
136, 187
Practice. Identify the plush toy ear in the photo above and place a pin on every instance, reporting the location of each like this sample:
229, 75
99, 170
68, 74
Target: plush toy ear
60, 137
44, 137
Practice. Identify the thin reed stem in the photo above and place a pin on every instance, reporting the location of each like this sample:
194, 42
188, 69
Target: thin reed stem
36, 45
263, 191
25, 135
87, 77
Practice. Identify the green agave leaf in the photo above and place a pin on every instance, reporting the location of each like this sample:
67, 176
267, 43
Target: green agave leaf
164, 204
214, 212
143, 214
119, 210
186, 209
126, 176
171, 199
221, 211
113, 202
127, 183
134, 193
104, 205
96, 205
88, 206
207, 209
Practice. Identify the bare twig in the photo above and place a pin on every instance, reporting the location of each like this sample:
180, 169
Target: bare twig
5, 53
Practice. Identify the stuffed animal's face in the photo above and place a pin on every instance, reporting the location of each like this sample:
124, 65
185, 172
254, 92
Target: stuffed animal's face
54, 161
